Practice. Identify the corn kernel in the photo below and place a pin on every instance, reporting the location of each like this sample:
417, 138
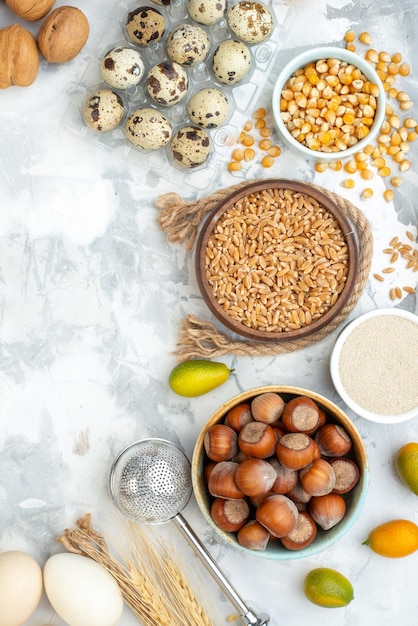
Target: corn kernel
394, 120
393, 68
259, 113
260, 123
249, 154
379, 162
367, 193
348, 183
265, 132
402, 96
350, 167
265, 144
274, 151
405, 165
238, 154
267, 161
397, 57
388, 195
406, 105
351, 47
410, 123
247, 140
365, 38
371, 55
321, 166
384, 171
350, 36
367, 174
336, 165
248, 126
412, 135
234, 166
384, 57
399, 157
404, 69
396, 181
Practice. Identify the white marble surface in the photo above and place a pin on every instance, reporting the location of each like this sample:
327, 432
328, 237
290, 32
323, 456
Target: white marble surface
92, 296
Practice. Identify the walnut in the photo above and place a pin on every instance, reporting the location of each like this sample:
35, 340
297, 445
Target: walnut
63, 34
31, 10
19, 57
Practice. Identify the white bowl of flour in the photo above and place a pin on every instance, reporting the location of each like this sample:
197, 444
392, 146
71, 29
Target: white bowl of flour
374, 365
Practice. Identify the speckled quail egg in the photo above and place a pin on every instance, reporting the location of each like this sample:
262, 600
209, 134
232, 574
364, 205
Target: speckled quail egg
167, 83
208, 108
145, 25
122, 67
231, 61
190, 147
207, 12
148, 129
103, 110
251, 22
188, 44
164, 3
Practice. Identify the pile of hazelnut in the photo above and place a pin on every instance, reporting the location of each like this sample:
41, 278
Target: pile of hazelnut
277, 470
61, 36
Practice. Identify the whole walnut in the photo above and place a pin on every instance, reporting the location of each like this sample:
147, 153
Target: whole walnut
31, 10
19, 57
63, 33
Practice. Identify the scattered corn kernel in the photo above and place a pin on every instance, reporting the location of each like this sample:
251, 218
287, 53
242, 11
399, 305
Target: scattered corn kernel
248, 126
388, 196
321, 166
265, 144
348, 183
260, 123
350, 36
397, 57
274, 151
238, 154
265, 132
396, 181
350, 167
371, 55
367, 174
351, 47
234, 166
405, 165
247, 140
249, 154
367, 193
336, 165
259, 113
365, 38
404, 69
384, 171
267, 161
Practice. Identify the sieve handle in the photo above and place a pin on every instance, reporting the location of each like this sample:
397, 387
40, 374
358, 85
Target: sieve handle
246, 614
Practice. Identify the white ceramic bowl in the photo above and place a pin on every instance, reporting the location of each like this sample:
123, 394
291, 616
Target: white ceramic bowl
374, 365
300, 61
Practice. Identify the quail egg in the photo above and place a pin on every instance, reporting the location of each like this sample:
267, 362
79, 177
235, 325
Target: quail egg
231, 61
103, 110
208, 108
167, 83
145, 25
188, 44
207, 12
190, 147
148, 129
251, 22
165, 3
122, 67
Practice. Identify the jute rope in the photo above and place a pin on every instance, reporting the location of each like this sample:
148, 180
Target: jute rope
180, 220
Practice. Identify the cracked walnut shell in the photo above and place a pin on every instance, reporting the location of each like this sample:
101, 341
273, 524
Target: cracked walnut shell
31, 10
63, 34
19, 57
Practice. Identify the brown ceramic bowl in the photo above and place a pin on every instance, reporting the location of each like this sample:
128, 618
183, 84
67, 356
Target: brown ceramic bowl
287, 272
355, 498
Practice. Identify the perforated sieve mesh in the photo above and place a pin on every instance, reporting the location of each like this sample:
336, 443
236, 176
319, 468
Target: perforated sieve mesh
150, 481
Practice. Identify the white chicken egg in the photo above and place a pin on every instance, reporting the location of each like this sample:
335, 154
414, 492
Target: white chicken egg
20, 587
81, 591
231, 61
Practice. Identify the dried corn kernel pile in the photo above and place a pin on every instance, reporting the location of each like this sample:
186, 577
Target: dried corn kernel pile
388, 158
254, 139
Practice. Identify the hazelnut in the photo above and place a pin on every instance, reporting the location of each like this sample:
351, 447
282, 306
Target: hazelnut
19, 57
63, 34
31, 10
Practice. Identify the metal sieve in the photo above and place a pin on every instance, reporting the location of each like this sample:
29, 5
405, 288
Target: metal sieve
150, 482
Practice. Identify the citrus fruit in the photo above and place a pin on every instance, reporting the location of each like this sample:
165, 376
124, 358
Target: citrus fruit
196, 377
394, 539
328, 588
406, 463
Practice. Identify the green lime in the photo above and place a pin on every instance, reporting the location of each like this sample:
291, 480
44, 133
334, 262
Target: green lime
328, 588
196, 377
406, 463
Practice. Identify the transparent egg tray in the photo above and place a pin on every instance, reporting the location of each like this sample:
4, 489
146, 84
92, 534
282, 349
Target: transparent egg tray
242, 96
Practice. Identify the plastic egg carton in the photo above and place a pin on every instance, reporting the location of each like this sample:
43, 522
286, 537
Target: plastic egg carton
242, 96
